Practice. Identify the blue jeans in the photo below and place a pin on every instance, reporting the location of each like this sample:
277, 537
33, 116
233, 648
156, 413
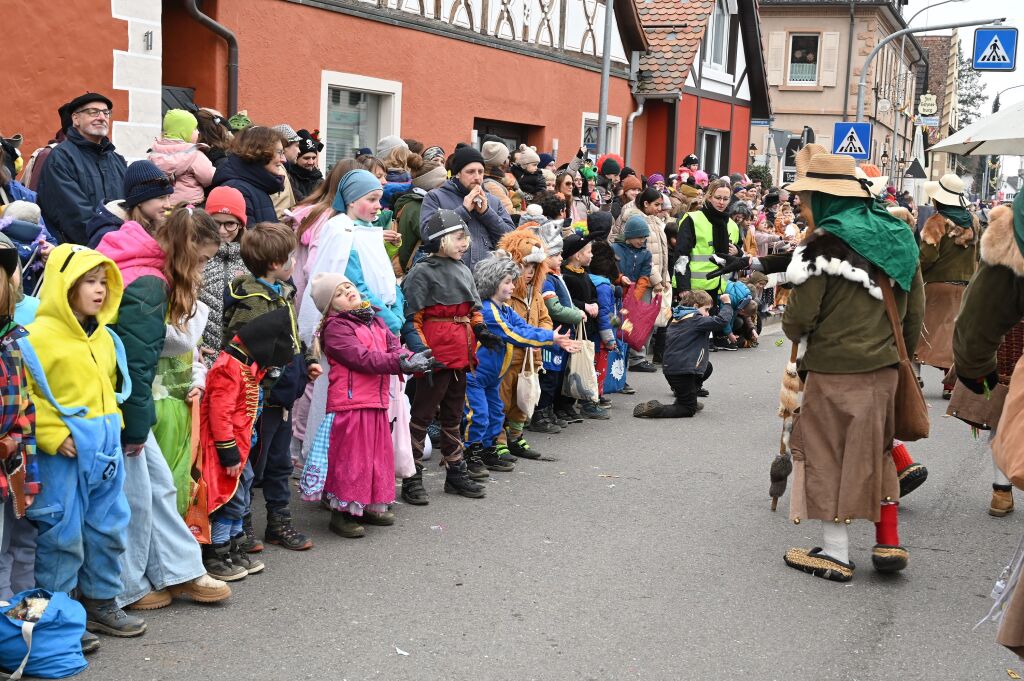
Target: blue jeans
226, 521
161, 550
17, 553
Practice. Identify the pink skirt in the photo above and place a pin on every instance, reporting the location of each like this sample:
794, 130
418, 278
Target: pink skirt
361, 461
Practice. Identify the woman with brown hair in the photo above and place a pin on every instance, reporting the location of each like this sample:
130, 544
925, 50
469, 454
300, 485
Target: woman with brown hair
215, 134
256, 167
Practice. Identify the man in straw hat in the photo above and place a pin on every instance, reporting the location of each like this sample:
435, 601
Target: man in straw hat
843, 433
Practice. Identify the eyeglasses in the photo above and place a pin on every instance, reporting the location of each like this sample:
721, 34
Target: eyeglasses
91, 113
280, 152
229, 225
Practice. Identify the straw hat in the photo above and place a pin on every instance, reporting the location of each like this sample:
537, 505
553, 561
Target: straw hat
877, 183
817, 170
949, 191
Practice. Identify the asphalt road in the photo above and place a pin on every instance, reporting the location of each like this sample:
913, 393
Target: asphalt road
647, 551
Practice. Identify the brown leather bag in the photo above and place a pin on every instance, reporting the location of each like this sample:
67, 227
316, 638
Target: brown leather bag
197, 517
980, 411
912, 421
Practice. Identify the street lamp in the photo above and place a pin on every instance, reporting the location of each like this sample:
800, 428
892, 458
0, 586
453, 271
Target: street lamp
752, 153
885, 159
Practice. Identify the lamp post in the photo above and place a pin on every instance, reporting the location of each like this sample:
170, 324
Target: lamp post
752, 153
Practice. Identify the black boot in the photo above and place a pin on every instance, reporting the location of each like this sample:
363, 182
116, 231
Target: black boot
217, 561
555, 418
542, 423
522, 449
475, 467
103, 616
412, 488
251, 564
251, 543
280, 531
494, 462
457, 481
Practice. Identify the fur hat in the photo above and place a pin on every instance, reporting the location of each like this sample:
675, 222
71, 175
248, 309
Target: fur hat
523, 246
492, 270
551, 234
527, 155
323, 286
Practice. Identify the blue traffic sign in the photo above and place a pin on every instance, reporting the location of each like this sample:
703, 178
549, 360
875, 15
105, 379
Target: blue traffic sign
852, 139
995, 49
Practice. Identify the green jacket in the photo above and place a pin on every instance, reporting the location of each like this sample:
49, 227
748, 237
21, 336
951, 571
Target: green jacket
250, 298
942, 258
407, 210
994, 300
835, 310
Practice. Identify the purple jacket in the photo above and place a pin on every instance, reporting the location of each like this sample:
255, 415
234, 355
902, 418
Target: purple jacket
361, 360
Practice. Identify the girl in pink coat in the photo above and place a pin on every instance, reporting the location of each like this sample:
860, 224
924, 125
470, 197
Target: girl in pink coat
362, 354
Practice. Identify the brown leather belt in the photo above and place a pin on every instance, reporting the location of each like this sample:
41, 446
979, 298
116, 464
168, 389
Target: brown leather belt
456, 320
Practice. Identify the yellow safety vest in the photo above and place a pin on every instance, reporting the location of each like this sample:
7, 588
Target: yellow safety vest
703, 248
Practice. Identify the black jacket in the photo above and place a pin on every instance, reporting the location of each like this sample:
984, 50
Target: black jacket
78, 176
304, 180
256, 184
687, 340
583, 292
102, 221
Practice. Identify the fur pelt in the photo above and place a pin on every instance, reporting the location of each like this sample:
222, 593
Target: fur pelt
998, 245
489, 272
824, 253
524, 245
792, 392
938, 226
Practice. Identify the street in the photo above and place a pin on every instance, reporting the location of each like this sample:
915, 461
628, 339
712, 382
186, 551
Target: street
647, 551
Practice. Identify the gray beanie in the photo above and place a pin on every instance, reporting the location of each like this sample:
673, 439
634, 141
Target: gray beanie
494, 153
289, 133
489, 272
386, 144
527, 155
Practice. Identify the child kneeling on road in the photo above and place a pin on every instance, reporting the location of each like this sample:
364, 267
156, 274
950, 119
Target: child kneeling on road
687, 346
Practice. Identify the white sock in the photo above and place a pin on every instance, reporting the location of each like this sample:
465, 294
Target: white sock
836, 541
998, 477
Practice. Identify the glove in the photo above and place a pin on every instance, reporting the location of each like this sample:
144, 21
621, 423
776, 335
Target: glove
642, 284
488, 339
418, 363
978, 386
728, 264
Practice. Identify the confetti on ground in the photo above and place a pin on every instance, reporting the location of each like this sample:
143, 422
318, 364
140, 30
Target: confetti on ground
401, 652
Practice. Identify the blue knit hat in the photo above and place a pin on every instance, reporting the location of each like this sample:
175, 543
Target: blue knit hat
144, 181
545, 160
354, 185
635, 228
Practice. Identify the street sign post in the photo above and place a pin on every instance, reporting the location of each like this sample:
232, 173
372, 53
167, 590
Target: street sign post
852, 139
995, 49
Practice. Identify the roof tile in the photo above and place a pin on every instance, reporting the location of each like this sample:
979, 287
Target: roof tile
672, 49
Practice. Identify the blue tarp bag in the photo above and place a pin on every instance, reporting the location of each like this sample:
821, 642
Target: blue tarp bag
48, 648
615, 375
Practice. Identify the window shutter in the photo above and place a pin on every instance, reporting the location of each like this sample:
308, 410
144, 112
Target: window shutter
829, 58
776, 56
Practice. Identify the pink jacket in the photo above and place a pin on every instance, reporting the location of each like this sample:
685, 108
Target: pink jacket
136, 253
305, 254
361, 360
188, 167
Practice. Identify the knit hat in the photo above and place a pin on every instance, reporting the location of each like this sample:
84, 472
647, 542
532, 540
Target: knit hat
690, 191
527, 155
290, 136
309, 142
228, 201
551, 234
144, 181
610, 167
626, 172
269, 338
431, 175
632, 182
87, 98
635, 228
23, 210
433, 153
442, 222
494, 153
533, 212
492, 270
323, 287
690, 160
179, 125
386, 144
546, 159
574, 243
771, 200
655, 178
462, 157
549, 175
354, 185
599, 224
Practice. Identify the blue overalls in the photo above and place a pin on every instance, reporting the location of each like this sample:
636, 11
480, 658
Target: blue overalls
81, 511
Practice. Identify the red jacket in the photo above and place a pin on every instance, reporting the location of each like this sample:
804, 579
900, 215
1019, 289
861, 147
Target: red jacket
453, 342
227, 415
362, 359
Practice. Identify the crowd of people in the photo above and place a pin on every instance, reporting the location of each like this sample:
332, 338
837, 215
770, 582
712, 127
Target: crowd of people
221, 317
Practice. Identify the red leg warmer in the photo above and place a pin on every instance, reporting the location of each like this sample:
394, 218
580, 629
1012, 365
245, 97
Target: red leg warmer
886, 529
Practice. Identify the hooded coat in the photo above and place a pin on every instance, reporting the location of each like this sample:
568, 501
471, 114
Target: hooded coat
256, 184
188, 167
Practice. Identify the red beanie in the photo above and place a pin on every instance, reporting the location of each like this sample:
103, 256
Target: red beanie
226, 200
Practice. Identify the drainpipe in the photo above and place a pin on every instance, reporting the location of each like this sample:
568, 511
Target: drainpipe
629, 126
193, 10
849, 64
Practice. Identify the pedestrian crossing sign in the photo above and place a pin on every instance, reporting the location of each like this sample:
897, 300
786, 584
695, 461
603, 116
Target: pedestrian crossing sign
852, 139
995, 49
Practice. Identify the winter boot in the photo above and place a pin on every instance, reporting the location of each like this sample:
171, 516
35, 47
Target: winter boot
344, 525
242, 559
522, 449
90, 643
1002, 501
412, 488
457, 481
504, 453
493, 461
280, 531
251, 543
217, 561
570, 414
104, 617
380, 519
542, 423
591, 410
475, 467
556, 419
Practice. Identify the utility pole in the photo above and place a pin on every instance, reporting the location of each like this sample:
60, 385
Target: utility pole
606, 70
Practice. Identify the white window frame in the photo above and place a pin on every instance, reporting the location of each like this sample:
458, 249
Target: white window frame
614, 122
390, 114
708, 168
789, 64
719, 21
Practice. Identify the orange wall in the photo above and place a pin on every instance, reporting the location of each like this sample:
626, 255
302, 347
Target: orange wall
194, 56
54, 56
446, 82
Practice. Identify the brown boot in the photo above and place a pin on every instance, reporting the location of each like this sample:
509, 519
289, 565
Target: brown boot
202, 589
1002, 502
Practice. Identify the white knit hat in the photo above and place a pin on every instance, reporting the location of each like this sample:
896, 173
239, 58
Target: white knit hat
324, 285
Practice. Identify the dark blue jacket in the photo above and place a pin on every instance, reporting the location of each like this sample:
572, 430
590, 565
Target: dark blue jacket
256, 184
633, 262
78, 176
102, 221
687, 339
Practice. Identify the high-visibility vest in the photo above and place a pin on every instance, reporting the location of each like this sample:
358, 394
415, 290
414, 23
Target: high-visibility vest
703, 248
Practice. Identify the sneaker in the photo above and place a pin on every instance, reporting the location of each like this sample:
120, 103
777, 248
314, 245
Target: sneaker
725, 344
627, 390
104, 617
240, 557
475, 467
281, 532
380, 519
644, 367
344, 525
702, 392
154, 600
504, 453
457, 481
90, 643
217, 561
570, 414
591, 410
557, 419
522, 449
540, 423
604, 401
202, 589
493, 461
251, 543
